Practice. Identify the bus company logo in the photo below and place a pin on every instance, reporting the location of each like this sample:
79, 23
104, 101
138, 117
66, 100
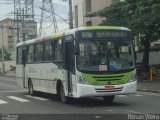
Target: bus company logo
109, 83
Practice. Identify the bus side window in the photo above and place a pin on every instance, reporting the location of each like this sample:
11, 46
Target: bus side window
47, 51
38, 52
57, 48
30, 53
19, 55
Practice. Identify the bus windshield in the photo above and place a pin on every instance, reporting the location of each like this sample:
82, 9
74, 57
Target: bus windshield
102, 55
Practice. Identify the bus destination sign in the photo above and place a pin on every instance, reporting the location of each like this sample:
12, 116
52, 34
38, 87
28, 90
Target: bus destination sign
104, 34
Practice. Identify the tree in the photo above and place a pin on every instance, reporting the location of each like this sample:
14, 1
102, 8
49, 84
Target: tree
141, 16
7, 55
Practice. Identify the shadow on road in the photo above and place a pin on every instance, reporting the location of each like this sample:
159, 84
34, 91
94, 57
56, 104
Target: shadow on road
83, 102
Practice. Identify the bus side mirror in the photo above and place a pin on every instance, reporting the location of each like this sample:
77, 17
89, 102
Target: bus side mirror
76, 51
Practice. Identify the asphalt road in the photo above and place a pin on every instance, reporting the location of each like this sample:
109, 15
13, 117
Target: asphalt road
16, 101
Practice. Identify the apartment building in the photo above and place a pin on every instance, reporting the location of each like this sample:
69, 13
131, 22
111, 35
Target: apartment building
11, 36
82, 7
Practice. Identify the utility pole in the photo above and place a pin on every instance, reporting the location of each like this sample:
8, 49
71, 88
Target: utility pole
17, 19
23, 30
24, 15
3, 65
17, 7
70, 15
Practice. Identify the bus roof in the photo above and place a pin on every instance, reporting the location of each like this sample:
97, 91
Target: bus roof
103, 28
72, 31
42, 38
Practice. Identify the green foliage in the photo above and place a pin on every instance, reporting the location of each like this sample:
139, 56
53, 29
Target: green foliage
7, 55
141, 16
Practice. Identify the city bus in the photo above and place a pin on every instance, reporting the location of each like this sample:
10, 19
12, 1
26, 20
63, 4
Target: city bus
95, 61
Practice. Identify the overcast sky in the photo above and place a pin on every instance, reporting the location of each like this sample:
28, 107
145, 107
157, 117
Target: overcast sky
61, 8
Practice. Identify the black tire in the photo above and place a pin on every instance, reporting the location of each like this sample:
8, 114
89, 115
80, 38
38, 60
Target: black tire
108, 99
30, 88
63, 98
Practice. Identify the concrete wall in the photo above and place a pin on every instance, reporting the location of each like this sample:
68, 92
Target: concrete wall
80, 4
7, 65
154, 57
96, 5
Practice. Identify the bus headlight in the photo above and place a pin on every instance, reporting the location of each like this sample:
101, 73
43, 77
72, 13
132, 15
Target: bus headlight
133, 78
81, 80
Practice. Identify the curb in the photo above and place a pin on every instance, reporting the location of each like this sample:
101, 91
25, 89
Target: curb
7, 76
148, 90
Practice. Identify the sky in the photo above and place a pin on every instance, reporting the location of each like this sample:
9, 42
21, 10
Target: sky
61, 8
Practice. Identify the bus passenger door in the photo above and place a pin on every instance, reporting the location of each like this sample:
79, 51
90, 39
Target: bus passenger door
23, 66
69, 63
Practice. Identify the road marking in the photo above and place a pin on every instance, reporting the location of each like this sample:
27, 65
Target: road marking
98, 116
8, 85
121, 95
149, 93
138, 95
37, 98
109, 110
3, 102
134, 112
13, 91
18, 99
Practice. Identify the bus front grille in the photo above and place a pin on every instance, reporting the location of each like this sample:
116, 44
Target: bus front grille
108, 78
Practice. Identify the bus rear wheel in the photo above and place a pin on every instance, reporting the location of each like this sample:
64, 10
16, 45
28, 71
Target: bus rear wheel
108, 99
30, 88
62, 96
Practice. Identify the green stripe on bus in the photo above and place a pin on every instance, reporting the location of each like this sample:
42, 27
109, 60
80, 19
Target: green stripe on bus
107, 79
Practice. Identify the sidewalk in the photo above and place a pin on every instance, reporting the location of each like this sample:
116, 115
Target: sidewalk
148, 85
9, 74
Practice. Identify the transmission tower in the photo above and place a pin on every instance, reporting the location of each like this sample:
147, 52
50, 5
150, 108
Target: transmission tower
48, 18
23, 19
29, 10
17, 5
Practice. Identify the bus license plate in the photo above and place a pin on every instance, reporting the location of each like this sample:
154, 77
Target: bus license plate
109, 87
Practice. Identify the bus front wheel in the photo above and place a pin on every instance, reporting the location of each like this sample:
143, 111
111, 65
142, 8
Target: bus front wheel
30, 88
62, 96
108, 99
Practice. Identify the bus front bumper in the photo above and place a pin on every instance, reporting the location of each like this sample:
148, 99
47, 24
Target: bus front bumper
92, 90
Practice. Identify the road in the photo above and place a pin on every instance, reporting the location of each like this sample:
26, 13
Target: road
15, 100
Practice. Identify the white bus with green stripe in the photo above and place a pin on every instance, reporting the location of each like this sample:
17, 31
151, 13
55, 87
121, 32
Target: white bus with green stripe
97, 61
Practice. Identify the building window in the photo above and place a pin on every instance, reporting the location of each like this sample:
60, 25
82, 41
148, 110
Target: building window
76, 16
88, 6
89, 23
